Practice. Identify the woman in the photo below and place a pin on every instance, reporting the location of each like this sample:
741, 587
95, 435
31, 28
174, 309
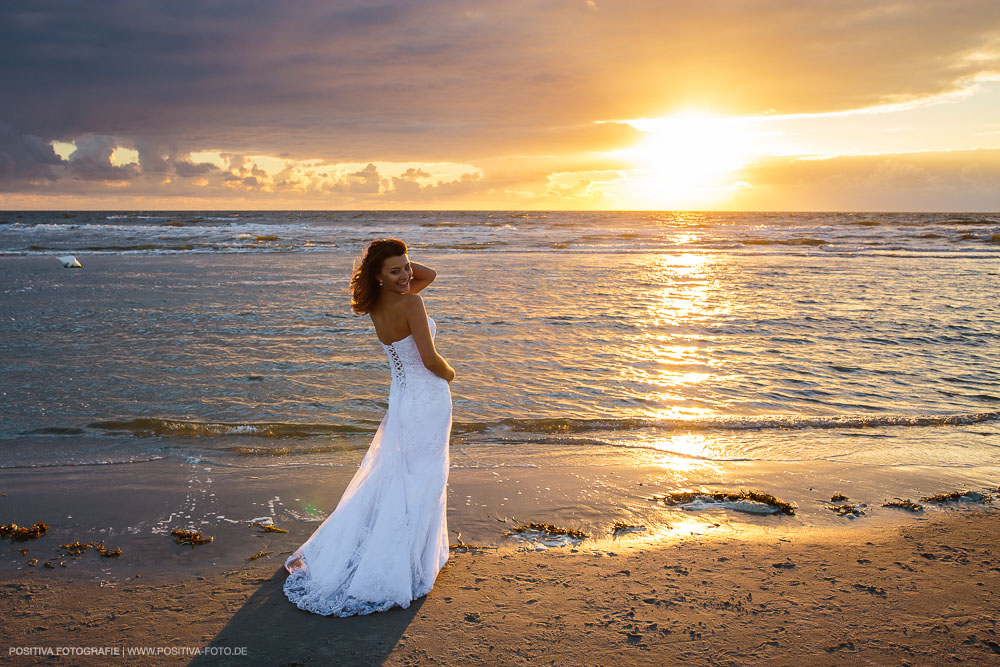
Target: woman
388, 537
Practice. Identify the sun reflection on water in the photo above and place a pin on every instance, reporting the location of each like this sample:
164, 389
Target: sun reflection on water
685, 452
670, 358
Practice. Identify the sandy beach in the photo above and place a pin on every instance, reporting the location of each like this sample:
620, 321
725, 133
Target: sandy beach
922, 591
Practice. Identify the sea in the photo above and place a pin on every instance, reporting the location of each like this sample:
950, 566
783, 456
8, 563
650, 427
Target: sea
797, 352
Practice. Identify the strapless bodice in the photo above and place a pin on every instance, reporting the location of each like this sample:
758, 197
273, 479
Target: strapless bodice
404, 359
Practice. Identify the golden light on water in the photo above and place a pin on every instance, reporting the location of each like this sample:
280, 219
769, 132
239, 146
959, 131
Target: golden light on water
670, 360
681, 453
689, 446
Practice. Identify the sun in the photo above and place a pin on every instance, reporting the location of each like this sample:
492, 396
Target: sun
688, 160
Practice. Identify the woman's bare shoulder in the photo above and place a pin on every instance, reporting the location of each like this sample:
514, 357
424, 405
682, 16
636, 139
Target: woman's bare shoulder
411, 303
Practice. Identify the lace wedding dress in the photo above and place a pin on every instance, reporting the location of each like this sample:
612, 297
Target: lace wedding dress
388, 537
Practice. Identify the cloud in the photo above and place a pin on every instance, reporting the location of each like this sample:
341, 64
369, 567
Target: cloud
92, 161
503, 88
947, 180
186, 169
366, 181
404, 80
24, 158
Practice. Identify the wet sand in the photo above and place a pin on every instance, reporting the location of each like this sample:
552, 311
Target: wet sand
921, 591
136, 506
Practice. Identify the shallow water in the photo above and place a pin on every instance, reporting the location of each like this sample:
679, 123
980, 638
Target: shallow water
697, 344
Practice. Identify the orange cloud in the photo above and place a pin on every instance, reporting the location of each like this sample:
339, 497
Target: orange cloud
944, 181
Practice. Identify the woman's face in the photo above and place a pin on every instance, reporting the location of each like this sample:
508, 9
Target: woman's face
395, 274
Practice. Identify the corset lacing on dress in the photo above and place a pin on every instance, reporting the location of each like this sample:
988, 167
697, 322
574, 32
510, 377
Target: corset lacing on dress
396, 366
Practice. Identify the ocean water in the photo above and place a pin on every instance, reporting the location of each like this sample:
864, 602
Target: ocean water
867, 343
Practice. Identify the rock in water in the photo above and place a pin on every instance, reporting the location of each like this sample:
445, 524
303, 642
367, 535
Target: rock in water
70, 262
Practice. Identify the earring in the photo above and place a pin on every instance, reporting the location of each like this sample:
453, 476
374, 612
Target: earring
380, 283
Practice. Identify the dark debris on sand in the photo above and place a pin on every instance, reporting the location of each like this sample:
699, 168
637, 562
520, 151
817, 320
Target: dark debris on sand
874, 590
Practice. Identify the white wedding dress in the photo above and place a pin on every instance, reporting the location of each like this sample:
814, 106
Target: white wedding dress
388, 537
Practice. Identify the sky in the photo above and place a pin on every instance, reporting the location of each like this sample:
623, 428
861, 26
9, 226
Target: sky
790, 105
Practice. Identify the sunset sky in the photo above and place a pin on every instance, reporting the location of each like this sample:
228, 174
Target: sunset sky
523, 104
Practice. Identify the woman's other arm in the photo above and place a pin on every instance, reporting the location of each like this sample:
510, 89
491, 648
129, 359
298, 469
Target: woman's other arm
422, 277
416, 317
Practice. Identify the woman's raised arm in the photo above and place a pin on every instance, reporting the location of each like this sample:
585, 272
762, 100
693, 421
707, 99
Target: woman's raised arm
422, 277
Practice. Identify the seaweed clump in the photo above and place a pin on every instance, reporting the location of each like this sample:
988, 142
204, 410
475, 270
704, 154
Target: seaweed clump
956, 496
621, 528
548, 530
260, 554
849, 510
907, 505
684, 497
192, 537
22, 533
78, 547
267, 526
465, 547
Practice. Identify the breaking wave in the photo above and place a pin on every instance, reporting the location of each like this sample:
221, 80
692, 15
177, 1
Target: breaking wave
151, 426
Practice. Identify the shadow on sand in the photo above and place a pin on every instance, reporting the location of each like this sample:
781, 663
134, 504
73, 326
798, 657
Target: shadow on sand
276, 632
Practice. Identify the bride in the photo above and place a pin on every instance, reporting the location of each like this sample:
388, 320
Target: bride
388, 537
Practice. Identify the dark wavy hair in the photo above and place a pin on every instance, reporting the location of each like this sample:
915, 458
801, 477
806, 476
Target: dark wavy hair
364, 284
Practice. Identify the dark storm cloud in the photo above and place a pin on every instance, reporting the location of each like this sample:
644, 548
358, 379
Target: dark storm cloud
187, 169
92, 161
350, 80
24, 158
179, 70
